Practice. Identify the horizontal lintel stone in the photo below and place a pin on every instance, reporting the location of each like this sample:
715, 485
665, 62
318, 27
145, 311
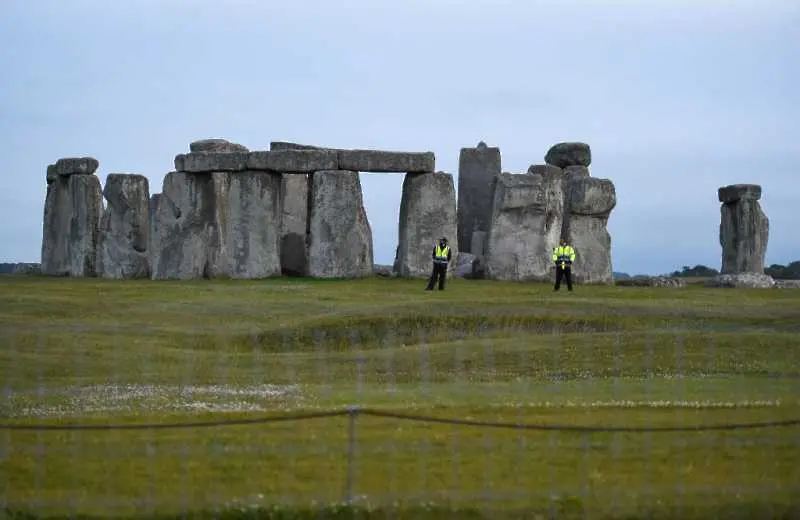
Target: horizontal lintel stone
293, 161
380, 161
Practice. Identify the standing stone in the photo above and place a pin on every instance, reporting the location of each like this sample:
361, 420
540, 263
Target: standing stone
153, 207
527, 212
427, 213
252, 225
72, 210
189, 224
589, 202
744, 229
477, 169
294, 216
124, 228
340, 237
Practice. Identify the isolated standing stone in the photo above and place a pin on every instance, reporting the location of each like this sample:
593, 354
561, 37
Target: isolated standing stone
252, 226
744, 229
589, 202
427, 213
340, 237
526, 223
189, 224
72, 211
477, 169
569, 154
124, 234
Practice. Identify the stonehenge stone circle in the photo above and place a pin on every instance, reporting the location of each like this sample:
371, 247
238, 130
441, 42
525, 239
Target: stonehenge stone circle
744, 229
427, 213
298, 210
477, 169
124, 235
72, 209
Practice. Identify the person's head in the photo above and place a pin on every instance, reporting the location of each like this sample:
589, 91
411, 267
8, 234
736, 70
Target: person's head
443, 241
563, 241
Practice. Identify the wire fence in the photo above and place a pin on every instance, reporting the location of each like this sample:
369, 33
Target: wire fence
121, 420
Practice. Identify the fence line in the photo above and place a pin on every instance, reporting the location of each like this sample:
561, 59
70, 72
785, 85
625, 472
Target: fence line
354, 411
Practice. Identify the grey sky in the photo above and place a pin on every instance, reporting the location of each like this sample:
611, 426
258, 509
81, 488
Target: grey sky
676, 98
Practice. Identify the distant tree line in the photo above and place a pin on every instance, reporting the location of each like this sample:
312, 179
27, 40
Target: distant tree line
777, 271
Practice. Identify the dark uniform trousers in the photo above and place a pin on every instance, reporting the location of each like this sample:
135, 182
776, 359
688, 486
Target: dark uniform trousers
440, 273
563, 270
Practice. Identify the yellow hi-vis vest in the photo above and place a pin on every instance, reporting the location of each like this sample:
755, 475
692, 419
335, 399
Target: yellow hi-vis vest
563, 255
441, 254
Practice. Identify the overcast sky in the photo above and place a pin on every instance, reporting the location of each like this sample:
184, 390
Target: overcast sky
676, 98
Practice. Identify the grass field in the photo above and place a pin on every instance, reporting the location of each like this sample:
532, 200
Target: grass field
87, 351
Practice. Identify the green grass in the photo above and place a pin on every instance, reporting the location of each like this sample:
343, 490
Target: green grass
92, 351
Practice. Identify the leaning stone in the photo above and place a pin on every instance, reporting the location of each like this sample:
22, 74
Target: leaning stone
123, 239
75, 166
252, 226
737, 192
207, 162
525, 226
569, 154
293, 161
427, 213
383, 161
544, 169
477, 169
72, 211
216, 145
189, 225
592, 196
340, 237
742, 281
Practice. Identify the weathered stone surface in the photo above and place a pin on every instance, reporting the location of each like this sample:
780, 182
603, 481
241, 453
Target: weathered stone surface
525, 227
189, 224
737, 192
571, 172
252, 225
286, 145
742, 281
124, 233
427, 213
477, 169
72, 211
589, 202
294, 216
651, 281
544, 169
74, 166
293, 161
383, 161
51, 173
569, 154
340, 237
743, 235
153, 207
207, 162
216, 145
294, 224
466, 265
